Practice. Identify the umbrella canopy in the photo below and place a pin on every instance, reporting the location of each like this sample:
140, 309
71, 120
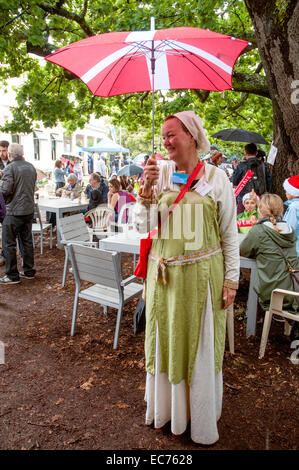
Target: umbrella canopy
175, 58
240, 135
120, 62
130, 170
106, 145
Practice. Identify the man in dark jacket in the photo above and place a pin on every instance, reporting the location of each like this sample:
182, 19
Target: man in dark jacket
17, 186
256, 182
99, 184
4, 161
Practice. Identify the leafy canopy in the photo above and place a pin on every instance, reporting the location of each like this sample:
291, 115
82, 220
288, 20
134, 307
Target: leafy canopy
31, 29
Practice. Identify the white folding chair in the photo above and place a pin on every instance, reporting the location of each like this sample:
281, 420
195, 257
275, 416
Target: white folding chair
276, 308
73, 229
40, 228
103, 269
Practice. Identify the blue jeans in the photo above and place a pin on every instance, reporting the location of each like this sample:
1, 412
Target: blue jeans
18, 227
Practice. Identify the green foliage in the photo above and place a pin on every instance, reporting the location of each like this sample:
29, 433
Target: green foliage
47, 95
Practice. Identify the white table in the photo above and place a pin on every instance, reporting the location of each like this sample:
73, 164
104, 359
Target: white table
60, 205
129, 243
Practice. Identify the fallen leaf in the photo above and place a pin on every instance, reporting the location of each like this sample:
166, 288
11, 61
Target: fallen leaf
56, 417
87, 385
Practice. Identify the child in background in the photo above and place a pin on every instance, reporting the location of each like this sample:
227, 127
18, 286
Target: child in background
291, 187
250, 213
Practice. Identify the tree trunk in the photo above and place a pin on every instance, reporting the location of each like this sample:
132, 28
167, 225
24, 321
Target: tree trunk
276, 28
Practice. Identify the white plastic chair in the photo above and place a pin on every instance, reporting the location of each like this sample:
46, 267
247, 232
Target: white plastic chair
103, 269
101, 218
40, 228
73, 229
276, 308
121, 225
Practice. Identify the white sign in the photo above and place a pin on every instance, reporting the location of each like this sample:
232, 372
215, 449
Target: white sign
272, 155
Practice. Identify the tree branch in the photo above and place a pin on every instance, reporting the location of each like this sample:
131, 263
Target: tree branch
202, 94
85, 6
250, 83
60, 11
41, 51
13, 19
141, 98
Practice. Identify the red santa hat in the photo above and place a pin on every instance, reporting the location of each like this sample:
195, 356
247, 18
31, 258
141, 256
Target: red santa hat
291, 185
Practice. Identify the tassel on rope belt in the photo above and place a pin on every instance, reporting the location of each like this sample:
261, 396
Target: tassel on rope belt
162, 263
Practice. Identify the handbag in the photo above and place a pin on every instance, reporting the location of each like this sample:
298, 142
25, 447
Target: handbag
139, 317
146, 243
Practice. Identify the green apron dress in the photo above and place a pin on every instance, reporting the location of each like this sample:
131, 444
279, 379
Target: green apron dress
177, 286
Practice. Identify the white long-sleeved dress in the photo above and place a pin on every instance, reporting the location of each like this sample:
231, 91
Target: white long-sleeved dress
172, 395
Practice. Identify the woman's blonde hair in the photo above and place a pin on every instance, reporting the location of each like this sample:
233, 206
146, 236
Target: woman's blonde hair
271, 205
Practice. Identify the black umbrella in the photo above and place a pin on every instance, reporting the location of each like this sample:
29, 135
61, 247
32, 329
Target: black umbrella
130, 170
240, 135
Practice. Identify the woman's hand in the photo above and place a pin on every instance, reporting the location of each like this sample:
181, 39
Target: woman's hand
253, 219
228, 296
151, 174
253, 196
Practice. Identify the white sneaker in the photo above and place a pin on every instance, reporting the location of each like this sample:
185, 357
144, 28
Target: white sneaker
22, 274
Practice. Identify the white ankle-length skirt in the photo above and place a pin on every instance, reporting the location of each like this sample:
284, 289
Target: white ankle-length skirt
201, 403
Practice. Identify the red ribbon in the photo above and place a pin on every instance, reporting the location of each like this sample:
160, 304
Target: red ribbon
243, 182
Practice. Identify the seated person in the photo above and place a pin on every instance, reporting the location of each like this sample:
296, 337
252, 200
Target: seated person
263, 243
291, 187
93, 192
100, 183
71, 188
117, 198
250, 213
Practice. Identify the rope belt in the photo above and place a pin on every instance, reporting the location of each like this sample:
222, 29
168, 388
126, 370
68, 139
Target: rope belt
162, 263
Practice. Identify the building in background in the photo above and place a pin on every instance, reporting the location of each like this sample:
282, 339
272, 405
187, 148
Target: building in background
44, 145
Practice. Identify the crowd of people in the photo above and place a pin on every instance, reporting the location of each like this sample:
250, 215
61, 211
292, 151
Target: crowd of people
100, 189
188, 286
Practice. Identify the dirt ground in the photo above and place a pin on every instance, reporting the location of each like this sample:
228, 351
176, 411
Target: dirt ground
63, 392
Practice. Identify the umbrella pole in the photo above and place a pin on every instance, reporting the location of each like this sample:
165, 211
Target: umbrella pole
153, 63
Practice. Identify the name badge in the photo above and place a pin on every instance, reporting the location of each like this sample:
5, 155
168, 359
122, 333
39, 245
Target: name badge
203, 189
179, 178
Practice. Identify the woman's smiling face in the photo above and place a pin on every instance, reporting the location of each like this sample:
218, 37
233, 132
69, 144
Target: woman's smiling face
177, 142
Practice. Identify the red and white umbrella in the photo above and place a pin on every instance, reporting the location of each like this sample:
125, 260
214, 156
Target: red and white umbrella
176, 58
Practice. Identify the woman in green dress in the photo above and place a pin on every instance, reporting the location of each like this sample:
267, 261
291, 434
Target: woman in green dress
192, 278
